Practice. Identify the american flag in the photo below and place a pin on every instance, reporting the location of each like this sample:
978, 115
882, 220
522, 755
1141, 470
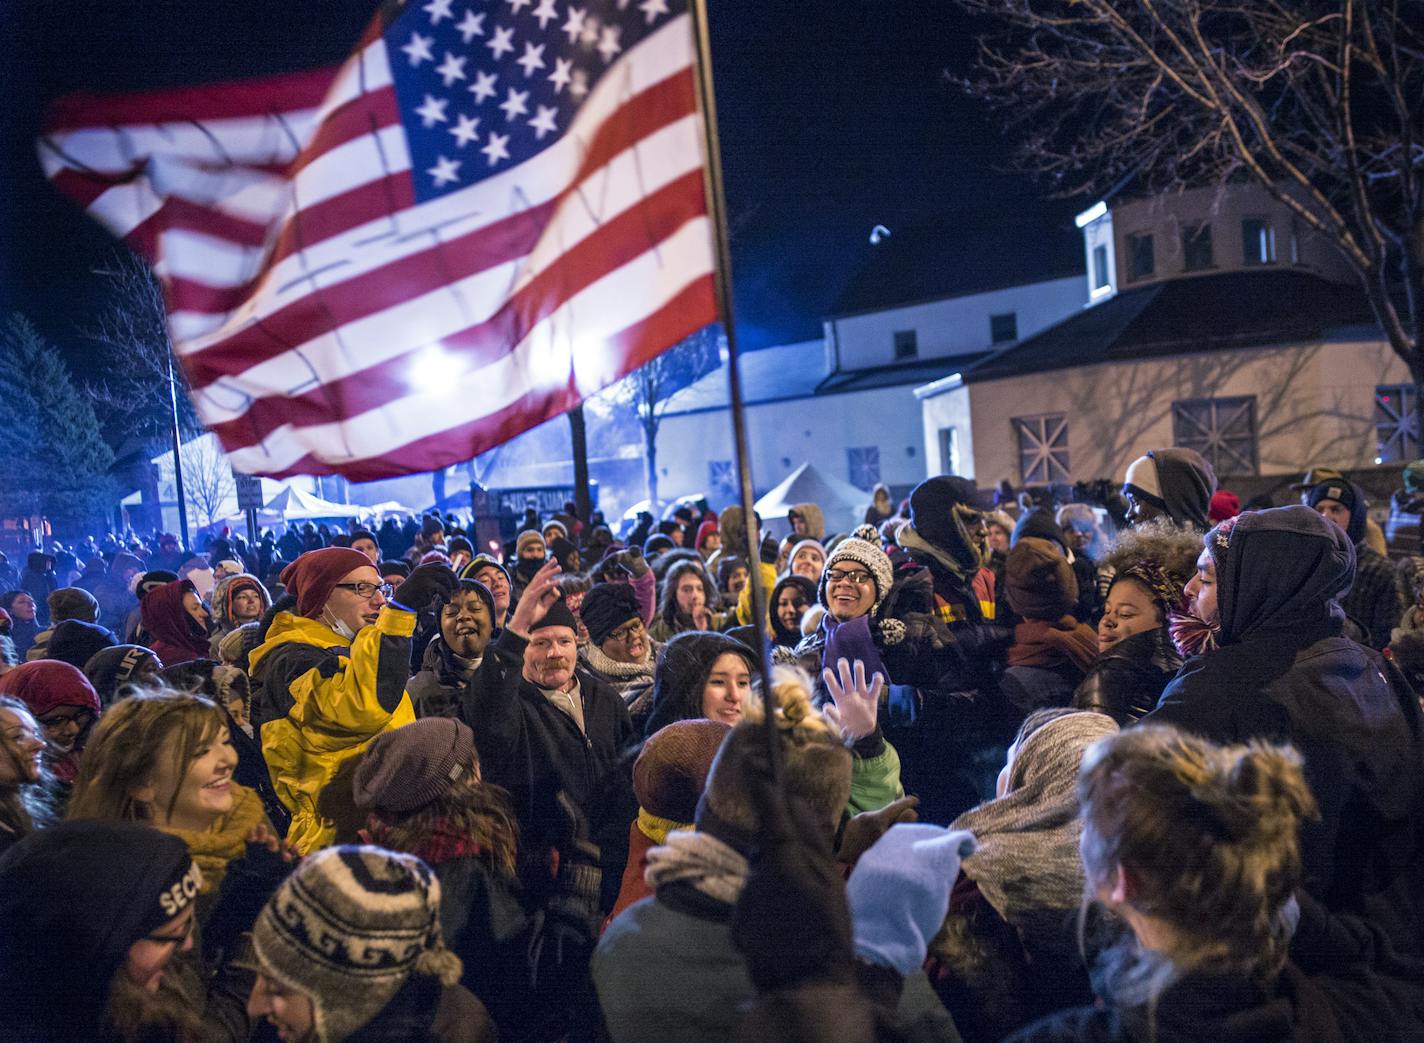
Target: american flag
492, 210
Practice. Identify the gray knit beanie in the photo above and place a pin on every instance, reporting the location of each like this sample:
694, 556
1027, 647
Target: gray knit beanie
348, 928
859, 549
409, 767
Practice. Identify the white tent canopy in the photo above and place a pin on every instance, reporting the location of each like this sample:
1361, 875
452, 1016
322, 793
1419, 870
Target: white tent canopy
294, 504
842, 503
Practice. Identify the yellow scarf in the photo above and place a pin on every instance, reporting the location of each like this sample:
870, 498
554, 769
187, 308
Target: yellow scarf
656, 829
213, 848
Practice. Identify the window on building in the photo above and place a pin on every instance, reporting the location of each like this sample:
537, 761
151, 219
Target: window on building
721, 478
1003, 328
1141, 261
906, 345
1100, 267
1223, 430
864, 466
949, 450
1295, 241
1396, 429
1258, 241
1043, 449
1196, 247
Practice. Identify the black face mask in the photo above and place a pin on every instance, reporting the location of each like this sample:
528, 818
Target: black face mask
528, 568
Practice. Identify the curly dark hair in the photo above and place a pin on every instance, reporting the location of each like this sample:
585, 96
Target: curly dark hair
1174, 548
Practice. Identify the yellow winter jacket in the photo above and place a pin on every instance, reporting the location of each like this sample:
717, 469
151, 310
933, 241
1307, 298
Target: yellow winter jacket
324, 699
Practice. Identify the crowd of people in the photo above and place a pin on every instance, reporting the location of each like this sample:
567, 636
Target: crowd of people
1148, 769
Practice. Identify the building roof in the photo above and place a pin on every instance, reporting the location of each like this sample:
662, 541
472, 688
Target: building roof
1239, 309
768, 375
897, 374
914, 265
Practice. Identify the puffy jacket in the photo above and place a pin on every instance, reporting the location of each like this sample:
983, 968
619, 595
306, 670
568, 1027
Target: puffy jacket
221, 602
1126, 681
323, 700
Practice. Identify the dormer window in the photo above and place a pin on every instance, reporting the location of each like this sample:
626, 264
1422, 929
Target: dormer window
1141, 260
1196, 247
1100, 266
1258, 241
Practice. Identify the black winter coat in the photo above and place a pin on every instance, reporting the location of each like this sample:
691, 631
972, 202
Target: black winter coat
1127, 680
1343, 984
1357, 725
535, 750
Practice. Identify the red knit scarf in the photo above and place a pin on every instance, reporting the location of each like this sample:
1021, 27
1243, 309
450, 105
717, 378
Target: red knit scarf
1044, 644
443, 844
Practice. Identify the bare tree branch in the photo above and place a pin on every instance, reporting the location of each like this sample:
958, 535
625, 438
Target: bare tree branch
1319, 101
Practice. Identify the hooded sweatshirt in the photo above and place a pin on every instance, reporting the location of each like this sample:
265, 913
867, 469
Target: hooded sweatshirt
1284, 673
1185, 483
44, 686
815, 520
223, 593
177, 637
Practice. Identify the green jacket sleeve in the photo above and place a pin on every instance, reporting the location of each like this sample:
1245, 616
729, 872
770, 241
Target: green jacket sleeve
874, 781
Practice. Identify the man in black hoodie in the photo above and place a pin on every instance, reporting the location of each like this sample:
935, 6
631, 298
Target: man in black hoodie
1283, 672
1373, 600
1170, 483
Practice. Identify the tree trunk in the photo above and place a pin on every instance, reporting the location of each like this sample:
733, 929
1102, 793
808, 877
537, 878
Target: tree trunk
650, 462
583, 499
1418, 418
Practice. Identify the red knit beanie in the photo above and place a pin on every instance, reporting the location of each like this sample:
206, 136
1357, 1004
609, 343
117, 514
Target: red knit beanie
45, 684
313, 576
1224, 505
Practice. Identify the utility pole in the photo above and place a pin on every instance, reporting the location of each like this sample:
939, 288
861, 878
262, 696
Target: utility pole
177, 455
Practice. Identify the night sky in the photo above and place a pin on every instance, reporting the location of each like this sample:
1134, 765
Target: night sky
835, 116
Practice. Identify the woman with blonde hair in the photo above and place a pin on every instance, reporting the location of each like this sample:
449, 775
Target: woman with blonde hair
1196, 847
166, 758
25, 803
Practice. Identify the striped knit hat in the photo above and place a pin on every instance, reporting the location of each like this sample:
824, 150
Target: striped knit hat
348, 928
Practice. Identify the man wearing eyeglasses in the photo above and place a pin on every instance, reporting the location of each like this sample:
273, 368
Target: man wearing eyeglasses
332, 673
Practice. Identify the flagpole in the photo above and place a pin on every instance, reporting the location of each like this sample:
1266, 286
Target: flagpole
722, 277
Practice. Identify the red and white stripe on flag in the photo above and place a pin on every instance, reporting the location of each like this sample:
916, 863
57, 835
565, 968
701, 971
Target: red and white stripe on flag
339, 309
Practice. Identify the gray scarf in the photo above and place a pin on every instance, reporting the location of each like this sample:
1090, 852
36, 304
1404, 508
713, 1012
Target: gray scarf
1027, 862
593, 655
700, 860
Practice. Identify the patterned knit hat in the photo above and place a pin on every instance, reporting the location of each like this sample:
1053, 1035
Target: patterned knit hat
1166, 591
348, 928
863, 548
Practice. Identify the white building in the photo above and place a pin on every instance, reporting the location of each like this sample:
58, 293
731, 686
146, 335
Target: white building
846, 402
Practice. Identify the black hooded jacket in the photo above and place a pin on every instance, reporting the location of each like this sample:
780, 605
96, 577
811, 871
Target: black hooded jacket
1187, 484
1284, 673
681, 675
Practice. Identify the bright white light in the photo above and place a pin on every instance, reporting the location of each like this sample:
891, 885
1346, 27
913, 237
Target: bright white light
1091, 214
1379, 459
879, 233
434, 370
